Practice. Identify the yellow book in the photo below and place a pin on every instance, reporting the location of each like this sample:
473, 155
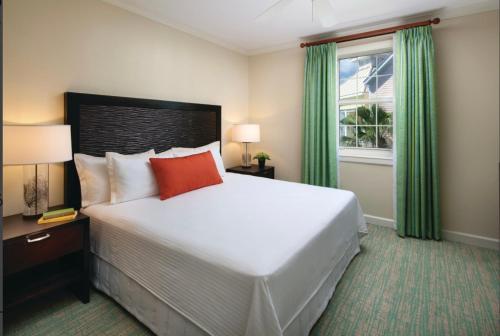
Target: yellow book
57, 219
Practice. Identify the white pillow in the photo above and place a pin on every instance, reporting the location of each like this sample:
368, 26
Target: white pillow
168, 154
129, 176
213, 147
93, 175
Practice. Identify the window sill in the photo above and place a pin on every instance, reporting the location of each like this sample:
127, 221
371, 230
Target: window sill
374, 157
366, 160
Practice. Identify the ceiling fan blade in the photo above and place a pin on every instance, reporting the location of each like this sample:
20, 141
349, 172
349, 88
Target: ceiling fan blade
325, 12
274, 10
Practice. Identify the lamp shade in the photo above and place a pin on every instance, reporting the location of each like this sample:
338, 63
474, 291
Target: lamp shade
24, 145
246, 133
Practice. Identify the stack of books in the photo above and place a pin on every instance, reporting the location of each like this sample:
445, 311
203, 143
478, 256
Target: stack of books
58, 216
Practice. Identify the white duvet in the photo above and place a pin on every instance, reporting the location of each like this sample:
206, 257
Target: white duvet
239, 258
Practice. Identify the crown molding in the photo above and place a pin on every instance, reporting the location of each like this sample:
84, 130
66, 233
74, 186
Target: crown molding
454, 12
353, 27
444, 14
177, 26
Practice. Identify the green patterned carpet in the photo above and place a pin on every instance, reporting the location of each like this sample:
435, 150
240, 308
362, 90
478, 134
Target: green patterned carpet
394, 287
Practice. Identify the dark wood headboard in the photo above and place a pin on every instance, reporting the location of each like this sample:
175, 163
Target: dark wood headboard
101, 124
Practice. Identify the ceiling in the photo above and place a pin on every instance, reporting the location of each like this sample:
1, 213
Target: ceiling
233, 23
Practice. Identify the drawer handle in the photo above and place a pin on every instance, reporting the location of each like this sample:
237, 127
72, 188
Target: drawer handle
34, 240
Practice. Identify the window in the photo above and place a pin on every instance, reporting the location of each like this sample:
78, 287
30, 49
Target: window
365, 102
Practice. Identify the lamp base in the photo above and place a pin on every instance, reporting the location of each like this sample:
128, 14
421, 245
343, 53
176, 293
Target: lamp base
36, 189
246, 159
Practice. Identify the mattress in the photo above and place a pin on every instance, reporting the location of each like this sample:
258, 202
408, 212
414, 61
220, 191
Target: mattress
240, 258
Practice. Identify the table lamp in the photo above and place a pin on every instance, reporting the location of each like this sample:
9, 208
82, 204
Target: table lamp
35, 147
246, 133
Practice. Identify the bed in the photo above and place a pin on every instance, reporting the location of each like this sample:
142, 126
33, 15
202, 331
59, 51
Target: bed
209, 262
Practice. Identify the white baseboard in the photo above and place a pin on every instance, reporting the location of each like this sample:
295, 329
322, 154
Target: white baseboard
454, 236
470, 239
381, 221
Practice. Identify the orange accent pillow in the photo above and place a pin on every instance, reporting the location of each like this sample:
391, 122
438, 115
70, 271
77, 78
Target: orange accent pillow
176, 176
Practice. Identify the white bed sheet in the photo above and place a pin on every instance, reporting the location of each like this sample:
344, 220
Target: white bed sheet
240, 258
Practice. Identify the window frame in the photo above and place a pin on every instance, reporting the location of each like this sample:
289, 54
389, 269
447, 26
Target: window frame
378, 156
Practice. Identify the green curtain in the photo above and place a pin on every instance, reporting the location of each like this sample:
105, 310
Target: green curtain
319, 134
417, 180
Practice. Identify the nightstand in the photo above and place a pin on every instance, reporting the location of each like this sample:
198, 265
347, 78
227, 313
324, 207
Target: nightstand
254, 170
38, 258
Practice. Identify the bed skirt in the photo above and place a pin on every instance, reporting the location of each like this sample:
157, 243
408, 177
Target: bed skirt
164, 320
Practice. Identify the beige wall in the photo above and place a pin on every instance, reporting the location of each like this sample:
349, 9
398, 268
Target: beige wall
373, 186
53, 46
467, 62
468, 91
276, 104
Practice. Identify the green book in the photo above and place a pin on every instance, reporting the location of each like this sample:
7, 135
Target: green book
58, 213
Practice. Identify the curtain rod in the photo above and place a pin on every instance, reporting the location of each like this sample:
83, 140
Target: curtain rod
372, 33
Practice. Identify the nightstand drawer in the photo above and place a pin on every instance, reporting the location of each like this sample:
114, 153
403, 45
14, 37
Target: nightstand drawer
26, 251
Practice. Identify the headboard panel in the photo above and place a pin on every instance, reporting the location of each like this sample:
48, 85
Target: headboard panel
101, 124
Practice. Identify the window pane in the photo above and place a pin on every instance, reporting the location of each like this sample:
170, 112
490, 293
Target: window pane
348, 69
363, 89
367, 136
367, 64
369, 86
347, 136
384, 114
384, 86
347, 115
385, 137
367, 114
384, 64
363, 124
366, 69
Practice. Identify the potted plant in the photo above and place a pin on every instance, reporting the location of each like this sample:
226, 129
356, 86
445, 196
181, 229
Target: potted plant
262, 157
